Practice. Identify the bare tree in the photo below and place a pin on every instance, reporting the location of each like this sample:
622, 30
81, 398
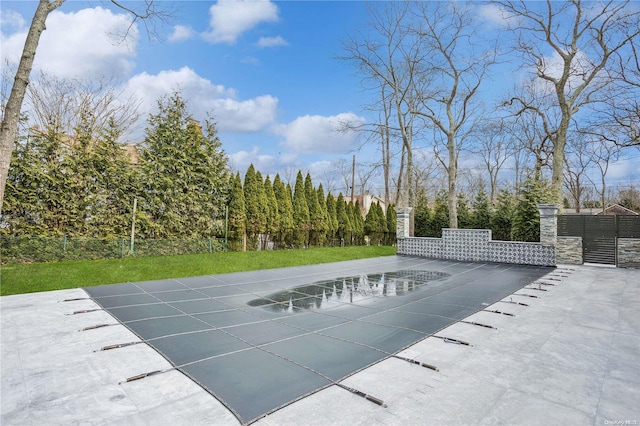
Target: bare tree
144, 12
387, 58
494, 146
60, 104
603, 155
578, 159
530, 129
453, 68
585, 39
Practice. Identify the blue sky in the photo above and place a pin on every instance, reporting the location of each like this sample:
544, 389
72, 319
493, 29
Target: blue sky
267, 71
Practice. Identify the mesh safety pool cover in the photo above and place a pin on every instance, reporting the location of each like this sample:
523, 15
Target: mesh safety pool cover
258, 341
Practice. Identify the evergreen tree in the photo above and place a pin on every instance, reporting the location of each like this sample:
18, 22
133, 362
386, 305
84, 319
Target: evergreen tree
333, 219
300, 214
422, 216
481, 210
255, 203
344, 224
184, 171
285, 212
375, 224
323, 219
392, 220
526, 217
35, 191
501, 220
117, 183
273, 218
357, 223
440, 216
465, 220
315, 218
237, 218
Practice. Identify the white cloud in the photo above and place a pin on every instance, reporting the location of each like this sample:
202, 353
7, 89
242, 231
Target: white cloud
181, 33
272, 42
12, 19
493, 15
241, 160
320, 134
231, 114
230, 18
78, 44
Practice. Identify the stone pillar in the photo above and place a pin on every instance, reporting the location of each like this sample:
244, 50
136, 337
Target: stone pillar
548, 224
403, 222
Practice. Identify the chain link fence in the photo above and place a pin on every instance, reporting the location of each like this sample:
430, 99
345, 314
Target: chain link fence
40, 249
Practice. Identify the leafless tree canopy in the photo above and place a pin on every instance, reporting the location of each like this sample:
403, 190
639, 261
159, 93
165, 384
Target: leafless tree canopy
587, 40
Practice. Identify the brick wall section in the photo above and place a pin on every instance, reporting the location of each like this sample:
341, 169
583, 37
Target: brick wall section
569, 250
476, 245
629, 252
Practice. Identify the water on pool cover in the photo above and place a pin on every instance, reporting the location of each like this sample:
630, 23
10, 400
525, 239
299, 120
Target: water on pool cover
258, 341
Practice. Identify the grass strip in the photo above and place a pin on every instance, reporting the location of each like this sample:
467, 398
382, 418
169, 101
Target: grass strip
30, 278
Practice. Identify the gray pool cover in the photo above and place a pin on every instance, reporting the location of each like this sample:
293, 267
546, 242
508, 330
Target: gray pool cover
258, 341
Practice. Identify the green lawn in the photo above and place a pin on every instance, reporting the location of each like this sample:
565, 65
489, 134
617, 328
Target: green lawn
29, 278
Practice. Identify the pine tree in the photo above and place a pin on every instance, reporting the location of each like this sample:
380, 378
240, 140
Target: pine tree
526, 217
373, 225
315, 218
481, 210
237, 217
300, 214
333, 219
391, 225
273, 218
465, 220
285, 212
323, 219
35, 190
255, 206
357, 223
502, 219
344, 224
440, 216
184, 172
117, 183
422, 216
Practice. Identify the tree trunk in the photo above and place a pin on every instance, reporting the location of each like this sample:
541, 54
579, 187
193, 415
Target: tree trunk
11, 118
557, 176
452, 176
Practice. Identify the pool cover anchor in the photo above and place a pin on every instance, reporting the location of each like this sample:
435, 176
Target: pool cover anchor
117, 346
454, 341
536, 288
533, 296
500, 312
514, 303
93, 327
85, 311
421, 364
143, 375
479, 324
363, 395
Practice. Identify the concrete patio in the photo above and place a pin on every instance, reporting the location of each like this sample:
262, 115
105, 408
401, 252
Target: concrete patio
571, 356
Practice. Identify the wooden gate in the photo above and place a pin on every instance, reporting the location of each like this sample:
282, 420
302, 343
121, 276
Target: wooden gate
599, 234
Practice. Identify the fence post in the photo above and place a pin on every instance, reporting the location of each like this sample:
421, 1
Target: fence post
133, 225
210, 245
548, 224
403, 222
64, 244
